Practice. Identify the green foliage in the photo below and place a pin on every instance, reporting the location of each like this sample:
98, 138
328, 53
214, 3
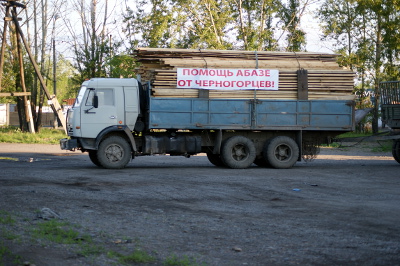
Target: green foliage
152, 27
177, 23
5, 218
364, 32
220, 24
384, 146
290, 16
89, 60
8, 235
89, 249
122, 66
65, 233
353, 135
202, 24
254, 22
58, 232
174, 260
45, 136
137, 256
7, 256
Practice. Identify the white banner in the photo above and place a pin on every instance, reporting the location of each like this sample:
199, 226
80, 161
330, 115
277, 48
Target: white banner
228, 79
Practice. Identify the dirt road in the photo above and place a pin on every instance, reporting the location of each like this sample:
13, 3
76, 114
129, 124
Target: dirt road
341, 209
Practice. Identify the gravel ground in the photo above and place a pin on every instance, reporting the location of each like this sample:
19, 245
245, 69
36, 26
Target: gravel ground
341, 209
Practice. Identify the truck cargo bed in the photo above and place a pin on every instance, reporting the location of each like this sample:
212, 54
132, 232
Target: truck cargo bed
237, 114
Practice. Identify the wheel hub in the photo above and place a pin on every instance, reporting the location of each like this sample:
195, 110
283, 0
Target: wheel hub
114, 153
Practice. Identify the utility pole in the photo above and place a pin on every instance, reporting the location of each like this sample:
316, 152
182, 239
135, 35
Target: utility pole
54, 66
52, 100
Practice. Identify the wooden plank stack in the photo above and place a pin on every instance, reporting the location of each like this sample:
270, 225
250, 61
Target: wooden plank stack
326, 80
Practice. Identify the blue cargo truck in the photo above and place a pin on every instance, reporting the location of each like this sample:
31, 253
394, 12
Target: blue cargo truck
115, 120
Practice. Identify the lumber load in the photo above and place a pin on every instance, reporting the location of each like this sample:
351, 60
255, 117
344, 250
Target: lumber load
325, 79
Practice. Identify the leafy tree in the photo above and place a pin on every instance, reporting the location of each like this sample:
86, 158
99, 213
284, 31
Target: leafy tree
202, 24
91, 44
291, 14
149, 29
366, 37
253, 21
178, 23
122, 66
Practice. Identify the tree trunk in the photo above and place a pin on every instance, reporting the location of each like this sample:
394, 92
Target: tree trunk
375, 127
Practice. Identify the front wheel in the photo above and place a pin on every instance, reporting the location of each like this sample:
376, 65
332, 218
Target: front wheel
238, 152
93, 157
281, 152
396, 150
114, 152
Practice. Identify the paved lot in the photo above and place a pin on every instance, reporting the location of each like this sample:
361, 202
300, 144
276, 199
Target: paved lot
341, 209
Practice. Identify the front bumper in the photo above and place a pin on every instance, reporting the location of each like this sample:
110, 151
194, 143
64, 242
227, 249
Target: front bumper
69, 144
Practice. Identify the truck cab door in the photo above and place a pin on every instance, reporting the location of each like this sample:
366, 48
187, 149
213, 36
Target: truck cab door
107, 113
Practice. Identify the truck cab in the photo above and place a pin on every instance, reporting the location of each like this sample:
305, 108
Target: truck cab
102, 106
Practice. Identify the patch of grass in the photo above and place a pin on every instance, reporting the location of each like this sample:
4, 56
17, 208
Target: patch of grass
89, 249
137, 256
58, 232
45, 136
353, 135
5, 218
332, 145
9, 159
174, 260
8, 235
6, 256
62, 232
384, 146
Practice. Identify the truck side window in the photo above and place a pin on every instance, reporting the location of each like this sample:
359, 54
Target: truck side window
89, 100
106, 97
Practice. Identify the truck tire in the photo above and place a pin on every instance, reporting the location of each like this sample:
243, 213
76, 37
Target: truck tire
238, 152
114, 152
281, 152
93, 157
215, 159
396, 150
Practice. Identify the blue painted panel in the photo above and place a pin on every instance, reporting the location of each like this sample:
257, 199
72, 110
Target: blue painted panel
304, 107
276, 120
333, 121
200, 105
231, 119
171, 105
201, 118
170, 118
229, 106
303, 120
329, 107
273, 106
197, 113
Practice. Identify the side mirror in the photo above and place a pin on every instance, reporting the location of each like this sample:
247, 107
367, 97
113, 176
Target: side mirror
95, 101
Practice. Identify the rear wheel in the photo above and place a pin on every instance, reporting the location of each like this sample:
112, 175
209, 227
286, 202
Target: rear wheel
114, 152
238, 152
93, 157
215, 159
396, 150
281, 152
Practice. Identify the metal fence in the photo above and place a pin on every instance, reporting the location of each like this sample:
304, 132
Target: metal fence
390, 92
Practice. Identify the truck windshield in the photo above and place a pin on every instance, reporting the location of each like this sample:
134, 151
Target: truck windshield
79, 99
